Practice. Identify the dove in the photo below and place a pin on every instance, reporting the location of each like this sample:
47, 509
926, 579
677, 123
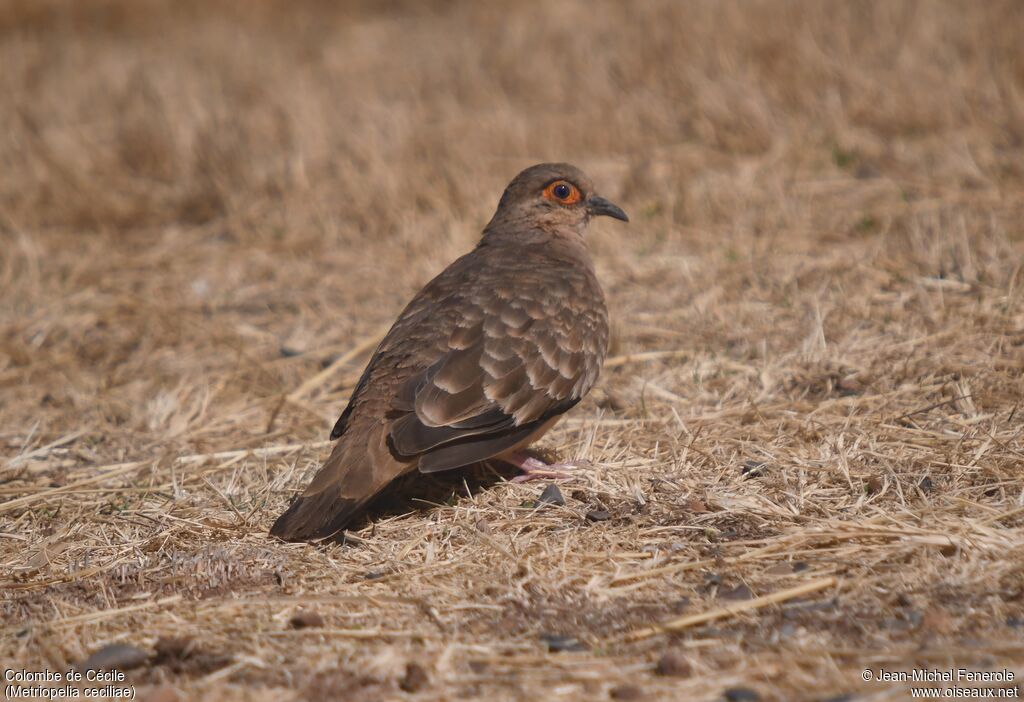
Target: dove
481, 363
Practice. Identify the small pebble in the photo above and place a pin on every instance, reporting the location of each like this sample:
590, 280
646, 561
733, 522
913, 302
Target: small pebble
557, 643
415, 678
753, 469
866, 171
306, 619
740, 592
626, 692
673, 664
741, 694
551, 496
902, 600
598, 515
115, 657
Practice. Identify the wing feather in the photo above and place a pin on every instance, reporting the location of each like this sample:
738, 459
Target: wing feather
478, 368
489, 385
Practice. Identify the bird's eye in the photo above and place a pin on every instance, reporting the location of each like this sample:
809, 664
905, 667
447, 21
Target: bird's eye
563, 192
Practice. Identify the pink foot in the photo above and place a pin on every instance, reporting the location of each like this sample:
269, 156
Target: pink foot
536, 469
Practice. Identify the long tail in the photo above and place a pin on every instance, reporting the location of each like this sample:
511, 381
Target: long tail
359, 467
316, 517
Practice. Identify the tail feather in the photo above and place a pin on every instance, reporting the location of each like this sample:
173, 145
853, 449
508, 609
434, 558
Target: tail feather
318, 516
358, 468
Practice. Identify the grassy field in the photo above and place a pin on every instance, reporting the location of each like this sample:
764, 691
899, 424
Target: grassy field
806, 447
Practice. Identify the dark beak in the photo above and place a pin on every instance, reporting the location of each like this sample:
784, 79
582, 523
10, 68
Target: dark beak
597, 206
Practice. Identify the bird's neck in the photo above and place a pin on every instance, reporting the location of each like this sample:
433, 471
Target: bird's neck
563, 243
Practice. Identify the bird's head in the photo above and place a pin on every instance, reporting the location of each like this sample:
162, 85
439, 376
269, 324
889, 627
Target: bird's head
552, 197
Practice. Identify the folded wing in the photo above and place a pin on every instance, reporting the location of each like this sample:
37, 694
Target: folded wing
507, 368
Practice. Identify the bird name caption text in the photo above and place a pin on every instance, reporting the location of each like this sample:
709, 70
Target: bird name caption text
68, 684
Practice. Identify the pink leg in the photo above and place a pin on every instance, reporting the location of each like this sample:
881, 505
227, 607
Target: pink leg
536, 469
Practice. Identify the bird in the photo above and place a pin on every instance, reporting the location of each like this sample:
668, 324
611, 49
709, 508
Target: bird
483, 360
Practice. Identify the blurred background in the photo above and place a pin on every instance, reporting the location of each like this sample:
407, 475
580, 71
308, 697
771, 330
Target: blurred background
204, 204
201, 203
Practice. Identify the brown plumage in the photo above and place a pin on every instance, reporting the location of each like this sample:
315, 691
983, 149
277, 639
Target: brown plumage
482, 361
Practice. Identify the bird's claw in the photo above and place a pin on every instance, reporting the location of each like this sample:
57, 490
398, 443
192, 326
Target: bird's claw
536, 469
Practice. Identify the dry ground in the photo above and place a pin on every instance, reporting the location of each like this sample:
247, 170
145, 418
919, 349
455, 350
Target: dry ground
209, 211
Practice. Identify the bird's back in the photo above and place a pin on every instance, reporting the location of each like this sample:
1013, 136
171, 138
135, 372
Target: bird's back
555, 287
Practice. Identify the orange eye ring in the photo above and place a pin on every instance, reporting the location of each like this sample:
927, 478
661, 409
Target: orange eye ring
563, 192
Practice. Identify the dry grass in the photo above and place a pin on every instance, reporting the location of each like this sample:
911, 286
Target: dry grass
819, 341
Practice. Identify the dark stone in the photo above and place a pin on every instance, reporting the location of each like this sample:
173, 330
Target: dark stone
866, 171
305, 619
558, 643
674, 665
415, 678
741, 694
753, 469
115, 657
551, 496
598, 515
902, 600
